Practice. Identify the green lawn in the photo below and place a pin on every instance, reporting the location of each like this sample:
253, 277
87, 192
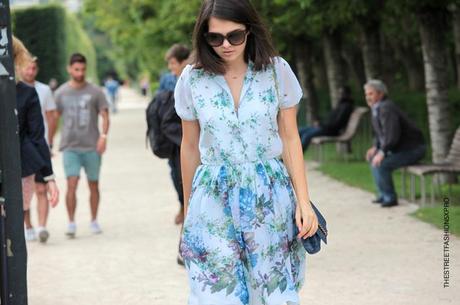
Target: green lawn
357, 173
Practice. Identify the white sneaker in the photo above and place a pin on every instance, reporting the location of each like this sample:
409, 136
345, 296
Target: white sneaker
95, 228
43, 234
30, 234
71, 230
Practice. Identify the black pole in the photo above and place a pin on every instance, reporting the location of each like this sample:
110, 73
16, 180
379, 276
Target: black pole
13, 248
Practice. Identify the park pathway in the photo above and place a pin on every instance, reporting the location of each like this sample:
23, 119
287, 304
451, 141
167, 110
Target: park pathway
375, 256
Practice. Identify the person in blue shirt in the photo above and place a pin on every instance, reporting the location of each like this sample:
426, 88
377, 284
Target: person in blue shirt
112, 85
177, 58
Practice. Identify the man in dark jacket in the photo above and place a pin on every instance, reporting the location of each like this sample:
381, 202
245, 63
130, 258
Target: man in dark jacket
397, 141
336, 121
176, 58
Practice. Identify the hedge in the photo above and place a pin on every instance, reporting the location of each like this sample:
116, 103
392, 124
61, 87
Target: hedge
52, 34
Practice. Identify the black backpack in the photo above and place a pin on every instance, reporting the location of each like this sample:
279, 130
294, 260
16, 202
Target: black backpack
164, 130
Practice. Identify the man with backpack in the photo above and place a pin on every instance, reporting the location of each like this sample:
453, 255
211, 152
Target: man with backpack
164, 125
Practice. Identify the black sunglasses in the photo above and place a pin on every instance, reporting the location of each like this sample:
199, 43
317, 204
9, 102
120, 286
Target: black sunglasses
235, 38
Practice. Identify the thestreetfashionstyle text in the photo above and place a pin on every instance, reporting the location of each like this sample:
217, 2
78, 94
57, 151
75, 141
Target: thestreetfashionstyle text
446, 248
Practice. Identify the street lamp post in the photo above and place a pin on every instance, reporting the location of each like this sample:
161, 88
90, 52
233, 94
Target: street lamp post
13, 253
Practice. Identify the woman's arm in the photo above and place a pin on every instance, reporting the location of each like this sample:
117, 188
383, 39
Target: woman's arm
36, 132
189, 157
306, 219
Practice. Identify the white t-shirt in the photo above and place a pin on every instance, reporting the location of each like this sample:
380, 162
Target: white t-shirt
45, 95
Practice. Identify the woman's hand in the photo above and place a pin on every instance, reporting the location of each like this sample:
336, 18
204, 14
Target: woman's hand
306, 220
53, 192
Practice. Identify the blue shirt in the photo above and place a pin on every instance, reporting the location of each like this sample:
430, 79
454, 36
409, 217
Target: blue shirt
167, 82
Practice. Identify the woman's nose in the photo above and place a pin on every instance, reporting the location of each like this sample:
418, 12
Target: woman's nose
226, 44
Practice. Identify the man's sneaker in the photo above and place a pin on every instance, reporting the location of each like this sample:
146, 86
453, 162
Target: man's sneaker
95, 228
43, 235
71, 230
30, 234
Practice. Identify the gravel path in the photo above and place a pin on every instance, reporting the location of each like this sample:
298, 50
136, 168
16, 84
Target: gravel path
374, 256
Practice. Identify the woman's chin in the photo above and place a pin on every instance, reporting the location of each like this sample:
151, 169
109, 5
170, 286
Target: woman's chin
231, 57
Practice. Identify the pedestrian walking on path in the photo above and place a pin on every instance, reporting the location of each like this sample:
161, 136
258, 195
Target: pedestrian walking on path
48, 110
237, 102
169, 124
35, 153
80, 104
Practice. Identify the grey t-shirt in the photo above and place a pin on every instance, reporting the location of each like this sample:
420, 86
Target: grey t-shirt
80, 109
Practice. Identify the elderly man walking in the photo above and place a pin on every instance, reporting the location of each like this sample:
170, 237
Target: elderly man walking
397, 141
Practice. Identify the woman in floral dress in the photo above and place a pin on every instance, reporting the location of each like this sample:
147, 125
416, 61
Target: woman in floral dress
242, 164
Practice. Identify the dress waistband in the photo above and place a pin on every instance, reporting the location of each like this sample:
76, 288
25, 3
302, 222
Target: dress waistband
230, 164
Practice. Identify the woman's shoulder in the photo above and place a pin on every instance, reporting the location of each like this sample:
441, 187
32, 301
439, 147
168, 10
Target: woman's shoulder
24, 87
193, 74
188, 71
25, 92
280, 63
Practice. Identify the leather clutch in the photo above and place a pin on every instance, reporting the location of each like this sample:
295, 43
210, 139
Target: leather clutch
313, 243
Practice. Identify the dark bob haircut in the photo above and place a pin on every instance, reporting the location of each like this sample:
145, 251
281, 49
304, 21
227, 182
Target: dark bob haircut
259, 47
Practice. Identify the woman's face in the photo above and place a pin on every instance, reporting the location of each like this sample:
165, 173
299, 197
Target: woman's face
228, 52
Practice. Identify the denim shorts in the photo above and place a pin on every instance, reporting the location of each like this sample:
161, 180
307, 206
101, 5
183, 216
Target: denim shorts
89, 160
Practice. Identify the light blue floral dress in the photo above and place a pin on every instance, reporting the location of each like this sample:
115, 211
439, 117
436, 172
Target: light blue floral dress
237, 243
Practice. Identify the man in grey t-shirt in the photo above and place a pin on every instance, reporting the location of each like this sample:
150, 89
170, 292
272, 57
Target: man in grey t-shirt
80, 104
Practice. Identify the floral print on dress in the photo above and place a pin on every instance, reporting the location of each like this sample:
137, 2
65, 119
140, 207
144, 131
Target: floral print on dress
237, 242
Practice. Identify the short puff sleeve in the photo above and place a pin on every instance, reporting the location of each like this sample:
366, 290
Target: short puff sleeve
183, 96
289, 89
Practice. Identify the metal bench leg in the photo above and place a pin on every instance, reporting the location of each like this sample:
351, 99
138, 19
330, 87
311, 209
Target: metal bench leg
422, 190
403, 184
321, 157
432, 191
412, 188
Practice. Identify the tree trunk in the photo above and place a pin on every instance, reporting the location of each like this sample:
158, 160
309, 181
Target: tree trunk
304, 55
413, 64
456, 22
354, 60
372, 57
334, 65
432, 32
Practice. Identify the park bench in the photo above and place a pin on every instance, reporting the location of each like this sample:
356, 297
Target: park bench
451, 165
344, 139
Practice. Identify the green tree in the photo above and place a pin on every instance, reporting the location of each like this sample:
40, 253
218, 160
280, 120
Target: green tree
142, 30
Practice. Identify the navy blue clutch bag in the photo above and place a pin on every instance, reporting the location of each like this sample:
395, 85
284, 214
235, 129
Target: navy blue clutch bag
313, 244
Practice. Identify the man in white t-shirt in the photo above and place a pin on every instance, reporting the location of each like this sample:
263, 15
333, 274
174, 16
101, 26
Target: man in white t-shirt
49, 113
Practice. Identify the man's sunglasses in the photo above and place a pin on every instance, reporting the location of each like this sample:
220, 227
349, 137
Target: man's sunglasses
235, 38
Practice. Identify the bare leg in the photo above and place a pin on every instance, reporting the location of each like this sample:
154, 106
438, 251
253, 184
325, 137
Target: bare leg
71, 197
27, 194
43, 205
27, 219
94, 198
